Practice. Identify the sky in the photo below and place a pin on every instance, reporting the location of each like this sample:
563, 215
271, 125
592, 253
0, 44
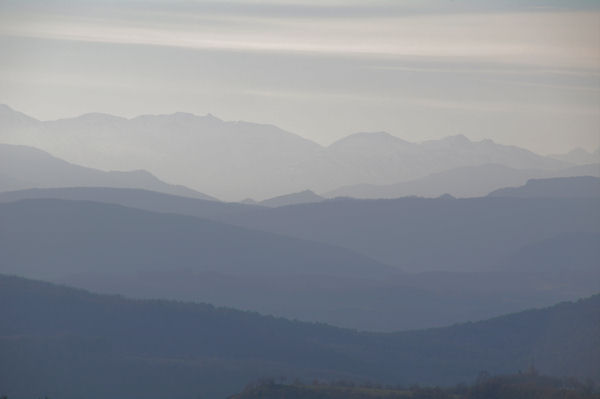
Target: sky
518, 72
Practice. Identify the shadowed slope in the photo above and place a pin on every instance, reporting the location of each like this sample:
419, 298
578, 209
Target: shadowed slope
429, 234
69, 343
53, 238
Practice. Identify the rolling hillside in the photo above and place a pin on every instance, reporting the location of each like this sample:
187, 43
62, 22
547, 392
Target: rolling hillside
86, 245
53, 238
67, 343
420, 234
467, 234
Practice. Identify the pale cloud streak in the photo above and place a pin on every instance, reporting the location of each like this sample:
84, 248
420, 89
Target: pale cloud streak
560, 39
431, 103
502, 69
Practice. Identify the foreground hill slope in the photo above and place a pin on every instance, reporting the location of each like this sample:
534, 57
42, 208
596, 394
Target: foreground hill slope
23, 167
69, 343
525, 385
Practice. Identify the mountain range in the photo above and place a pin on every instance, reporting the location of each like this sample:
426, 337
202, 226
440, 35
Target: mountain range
60, 236
421, 234
468, 181
565, 187
579, 156
23, 167
302, 197
372, 245
50, 238
235, 160
61, 342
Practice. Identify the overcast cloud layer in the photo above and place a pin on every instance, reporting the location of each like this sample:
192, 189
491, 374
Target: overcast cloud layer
519, 72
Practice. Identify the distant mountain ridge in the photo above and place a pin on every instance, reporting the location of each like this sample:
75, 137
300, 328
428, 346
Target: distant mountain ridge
468, 181
563, 187
134, 198
236, 160
23, 167
302, 197
579, 156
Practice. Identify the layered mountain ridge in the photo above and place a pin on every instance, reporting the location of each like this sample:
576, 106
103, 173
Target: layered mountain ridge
233, 160
24, 167
169, 252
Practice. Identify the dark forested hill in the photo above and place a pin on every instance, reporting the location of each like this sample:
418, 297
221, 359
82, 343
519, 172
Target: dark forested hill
524, 385
68, 343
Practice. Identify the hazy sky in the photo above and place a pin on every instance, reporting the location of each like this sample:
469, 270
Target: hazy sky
519, 72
